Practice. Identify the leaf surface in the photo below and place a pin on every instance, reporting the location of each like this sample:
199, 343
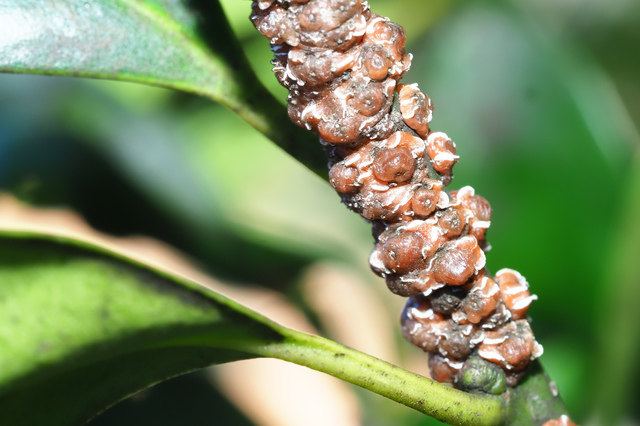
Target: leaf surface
82, 328
179, 44
156, 42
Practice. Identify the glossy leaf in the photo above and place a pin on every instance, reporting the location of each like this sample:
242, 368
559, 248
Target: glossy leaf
82, 327
180, 44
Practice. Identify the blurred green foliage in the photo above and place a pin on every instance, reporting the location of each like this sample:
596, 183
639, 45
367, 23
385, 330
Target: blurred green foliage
541, 97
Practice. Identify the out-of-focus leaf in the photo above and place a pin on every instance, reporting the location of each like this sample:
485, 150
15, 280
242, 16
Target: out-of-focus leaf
537, 133
616, 364
179, 44
82, 327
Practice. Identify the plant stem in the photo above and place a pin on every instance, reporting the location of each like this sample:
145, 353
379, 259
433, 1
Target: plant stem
420, 393
535, 399
246, 96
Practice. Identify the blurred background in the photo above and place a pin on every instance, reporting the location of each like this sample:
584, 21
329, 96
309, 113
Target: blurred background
542, 98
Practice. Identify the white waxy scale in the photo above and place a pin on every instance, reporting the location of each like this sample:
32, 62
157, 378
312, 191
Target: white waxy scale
418, 151
466, 192
538, 350
343, 61
427, 314
426, 248
483, 285
523, 303
375, 261
379, 187
431, 221
494, 289
482, 261
484, 224
443, 202
368, 122
309, 110
564, 418
453, 364
362, 28
409, 102
459, 316
435, 135
351, 159
445, 156
478, 339
398, 197
409, 111
408, 279
365, 163
416, 327
390, 84
392, 142
364, 175
414, 224
374, 21
516, 289
265, 4
430, 265
432, 288
490, 354
518, 275
494, 340
467, 329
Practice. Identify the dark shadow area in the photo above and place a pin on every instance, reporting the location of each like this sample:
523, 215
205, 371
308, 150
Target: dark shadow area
184, 400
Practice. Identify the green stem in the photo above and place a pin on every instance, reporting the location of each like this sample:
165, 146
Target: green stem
420, 393
250, 99
535, 400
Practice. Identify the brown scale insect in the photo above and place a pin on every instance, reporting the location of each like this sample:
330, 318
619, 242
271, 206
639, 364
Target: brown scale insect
442, 152
458, 260
477, 212
496, 319
444, 369
433, 333
342, 64
515, 292
400, 251
451, 222
383, 189
482, 300
425, 200
395, 165
563, 420
416, 108
512, 347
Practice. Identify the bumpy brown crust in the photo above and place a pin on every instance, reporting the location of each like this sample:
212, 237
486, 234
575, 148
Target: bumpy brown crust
342, 64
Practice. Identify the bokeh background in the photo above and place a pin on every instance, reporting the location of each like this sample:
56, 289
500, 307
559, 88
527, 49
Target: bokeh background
543, 100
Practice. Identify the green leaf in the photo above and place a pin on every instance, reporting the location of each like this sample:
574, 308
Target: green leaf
82, 327
618, 341
179, 44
